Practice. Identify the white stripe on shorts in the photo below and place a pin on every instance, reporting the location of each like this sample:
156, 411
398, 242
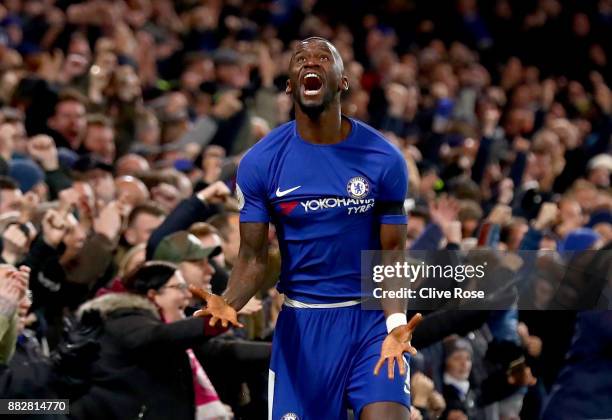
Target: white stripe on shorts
292, 303
271, 378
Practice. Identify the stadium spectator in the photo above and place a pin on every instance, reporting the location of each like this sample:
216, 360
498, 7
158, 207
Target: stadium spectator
459, 397
139, 326
68, 123
141, 222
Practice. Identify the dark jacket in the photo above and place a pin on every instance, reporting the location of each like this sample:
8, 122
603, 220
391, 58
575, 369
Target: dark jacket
57, 180
28, 373
31, 374
584, 387
188, 212
143, 370
52, 291
456, 401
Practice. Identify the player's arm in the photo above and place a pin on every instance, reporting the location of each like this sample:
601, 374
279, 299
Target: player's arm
246, 279
248, 274
393, 232
393, 244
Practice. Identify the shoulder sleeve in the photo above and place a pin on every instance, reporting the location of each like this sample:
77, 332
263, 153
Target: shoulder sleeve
251, 191
393, 189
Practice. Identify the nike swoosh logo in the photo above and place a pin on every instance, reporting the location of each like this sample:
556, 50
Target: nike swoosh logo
280, 193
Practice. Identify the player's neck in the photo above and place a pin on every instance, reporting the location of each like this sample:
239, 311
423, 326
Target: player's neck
325, 128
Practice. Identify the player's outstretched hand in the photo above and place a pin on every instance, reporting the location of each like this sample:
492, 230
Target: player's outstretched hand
395, 345
216, 308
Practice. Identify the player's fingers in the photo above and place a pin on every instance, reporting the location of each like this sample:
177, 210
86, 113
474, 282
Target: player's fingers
199, 292
224, 323
379, 364
235, 323
414, 321
201, 313
391, 367
213, 321
409, 349
401, 364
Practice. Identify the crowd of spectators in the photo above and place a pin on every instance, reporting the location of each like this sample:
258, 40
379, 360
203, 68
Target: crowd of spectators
122, 123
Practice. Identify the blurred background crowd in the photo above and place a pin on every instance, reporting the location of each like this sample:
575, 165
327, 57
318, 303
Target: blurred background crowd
122, 123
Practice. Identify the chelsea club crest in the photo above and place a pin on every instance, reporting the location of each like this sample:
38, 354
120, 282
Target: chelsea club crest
358, 187
290, 416
240, 197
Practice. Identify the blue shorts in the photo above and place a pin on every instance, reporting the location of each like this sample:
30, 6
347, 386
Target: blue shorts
323, 362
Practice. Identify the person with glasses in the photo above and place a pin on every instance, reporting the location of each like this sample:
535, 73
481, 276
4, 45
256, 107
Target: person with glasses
146, 367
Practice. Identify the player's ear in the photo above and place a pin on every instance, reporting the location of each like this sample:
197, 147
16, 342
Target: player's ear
344, 83
288, 87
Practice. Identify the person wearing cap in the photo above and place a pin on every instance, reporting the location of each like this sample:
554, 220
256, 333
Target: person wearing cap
249, 360
29, 176
145, 368
232, 360
456, 390
210, 236
197, 208
186, 250
498, 378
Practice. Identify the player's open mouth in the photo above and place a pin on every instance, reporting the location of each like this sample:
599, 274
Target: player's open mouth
312, 84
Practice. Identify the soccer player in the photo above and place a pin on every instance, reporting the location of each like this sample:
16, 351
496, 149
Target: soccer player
332, 186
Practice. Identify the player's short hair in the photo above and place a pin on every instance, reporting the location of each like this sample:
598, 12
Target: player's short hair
332, 48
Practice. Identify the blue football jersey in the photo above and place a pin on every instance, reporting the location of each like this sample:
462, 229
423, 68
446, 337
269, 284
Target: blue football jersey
327, 203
